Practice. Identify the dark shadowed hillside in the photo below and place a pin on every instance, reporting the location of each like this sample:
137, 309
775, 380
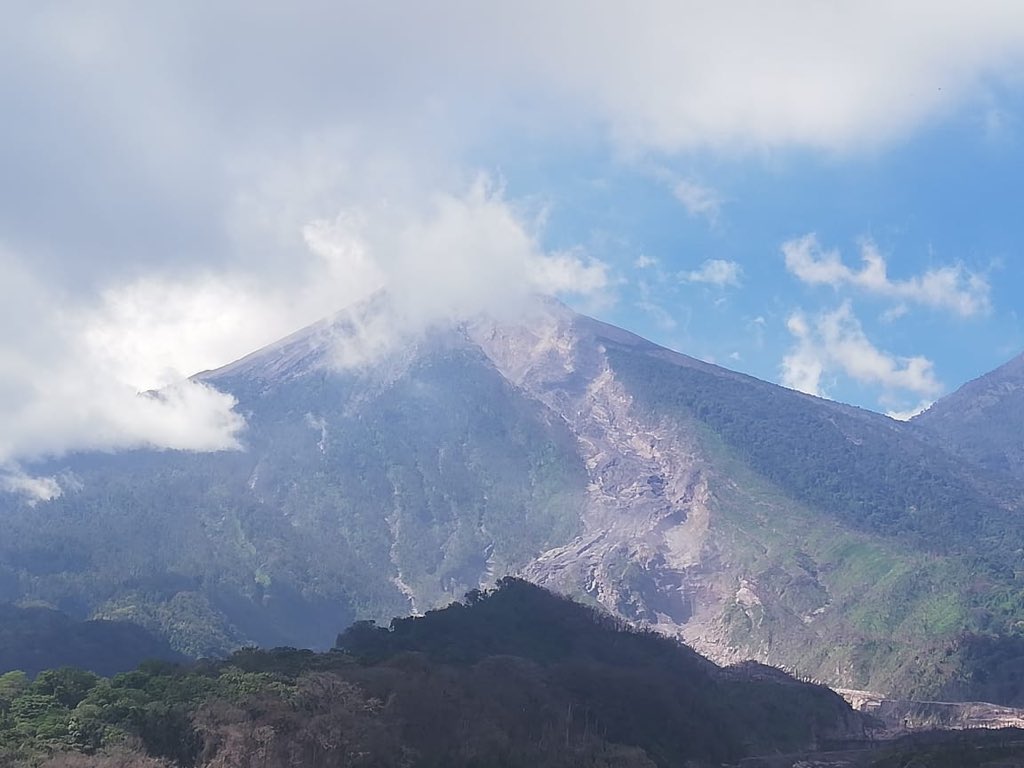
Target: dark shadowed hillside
512, 677
34, 639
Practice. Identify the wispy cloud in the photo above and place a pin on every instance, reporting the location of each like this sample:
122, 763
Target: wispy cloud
719, 272
13, 479
661, 316
951, 288
835, 343
892, 314
697, 199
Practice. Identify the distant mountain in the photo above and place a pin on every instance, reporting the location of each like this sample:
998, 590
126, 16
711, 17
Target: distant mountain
983, 421
750, 520
513, 677
34, 639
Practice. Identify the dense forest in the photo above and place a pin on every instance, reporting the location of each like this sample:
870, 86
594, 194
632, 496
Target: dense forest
512, 677
873, 476
35, 639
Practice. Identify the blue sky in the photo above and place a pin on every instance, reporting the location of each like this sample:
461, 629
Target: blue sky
822, 195
943, 199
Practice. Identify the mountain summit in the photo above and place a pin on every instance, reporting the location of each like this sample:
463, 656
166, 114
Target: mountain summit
387, 471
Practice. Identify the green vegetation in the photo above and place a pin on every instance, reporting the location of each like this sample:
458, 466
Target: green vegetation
368, 494
150, 709
843, 605
866, 471
921, 553
513, 677
353, 495
983, 421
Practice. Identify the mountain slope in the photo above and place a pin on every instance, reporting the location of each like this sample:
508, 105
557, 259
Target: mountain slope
750, 520
983, 421
753, 520
364, 493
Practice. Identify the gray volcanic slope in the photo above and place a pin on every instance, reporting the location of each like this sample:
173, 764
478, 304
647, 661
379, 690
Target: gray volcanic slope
750, 520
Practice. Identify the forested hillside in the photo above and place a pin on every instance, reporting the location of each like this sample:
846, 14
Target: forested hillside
983, 422
35, 639
514, 677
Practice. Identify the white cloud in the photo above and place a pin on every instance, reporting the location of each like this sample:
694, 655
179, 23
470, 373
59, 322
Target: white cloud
214, 155
951, 288
834, 75
71, 366
169, 106
715, 272
804, 366
57, 396
892, 314
451, 256
166, 104
909, 413
13, 479
661, 316
216, 226
158, 330
460, 256
568, 272
835, 342
644, 262
697, 199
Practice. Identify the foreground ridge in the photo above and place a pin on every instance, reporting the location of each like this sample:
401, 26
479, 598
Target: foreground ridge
514, 676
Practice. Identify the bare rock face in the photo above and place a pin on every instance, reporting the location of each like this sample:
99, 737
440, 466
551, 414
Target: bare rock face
653, 548
646, 510
898, 716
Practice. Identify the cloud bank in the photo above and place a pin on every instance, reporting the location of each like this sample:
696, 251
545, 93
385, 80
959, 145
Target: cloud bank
185, 182
182, 111
71, 370
55, 396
